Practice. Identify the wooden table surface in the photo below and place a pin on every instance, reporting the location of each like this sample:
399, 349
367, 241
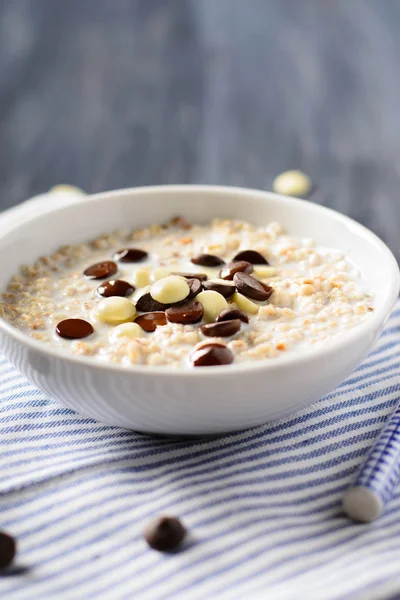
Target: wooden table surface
112, 93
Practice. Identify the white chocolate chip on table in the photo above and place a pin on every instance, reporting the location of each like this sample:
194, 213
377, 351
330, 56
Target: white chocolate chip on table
64, 188
292, 183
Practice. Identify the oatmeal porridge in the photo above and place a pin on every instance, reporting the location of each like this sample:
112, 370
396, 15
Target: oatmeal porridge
189, 295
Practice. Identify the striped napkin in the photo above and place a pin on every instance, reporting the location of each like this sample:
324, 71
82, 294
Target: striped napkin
262, 506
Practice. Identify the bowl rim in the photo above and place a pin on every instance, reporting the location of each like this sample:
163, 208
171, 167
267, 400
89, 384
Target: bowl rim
376, 320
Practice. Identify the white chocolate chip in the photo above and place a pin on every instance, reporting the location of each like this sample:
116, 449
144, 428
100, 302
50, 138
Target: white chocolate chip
213, 304
114, 310
67, 189
170, 289
141, 277
211, 272
125, 330
292, 183
262, 271
245, 304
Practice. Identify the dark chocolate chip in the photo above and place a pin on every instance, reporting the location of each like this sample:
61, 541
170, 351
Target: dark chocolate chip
8, 549
221, 329
74, 329
201, 276
233, 313
251, 287
233, 267
101, 270
207, 260
224, 287
151, 320
147, 304
268, 289
195, 287
130, 255
211, 355
251, 256
115, 287
185, 312
165, 534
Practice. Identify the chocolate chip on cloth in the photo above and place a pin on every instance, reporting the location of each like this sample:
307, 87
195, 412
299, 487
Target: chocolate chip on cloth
74, 329
222, 286
185, 312
129, 255
115, 287
251, 256
233, 313
147, 304
201, 276
211, 355
251, 287
207, 260
150, 321
101, 270
233, 267
8, 549
195, 287
221, 329
165, 534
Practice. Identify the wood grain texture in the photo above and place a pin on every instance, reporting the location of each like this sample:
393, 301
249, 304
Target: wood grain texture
114, 93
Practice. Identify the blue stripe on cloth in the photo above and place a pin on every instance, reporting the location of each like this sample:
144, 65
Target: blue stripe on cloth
263, 505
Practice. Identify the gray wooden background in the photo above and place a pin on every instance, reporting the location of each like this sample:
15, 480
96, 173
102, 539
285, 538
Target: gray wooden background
113, 93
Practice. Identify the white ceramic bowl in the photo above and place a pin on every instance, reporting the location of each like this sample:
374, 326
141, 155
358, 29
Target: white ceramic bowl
204, 400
